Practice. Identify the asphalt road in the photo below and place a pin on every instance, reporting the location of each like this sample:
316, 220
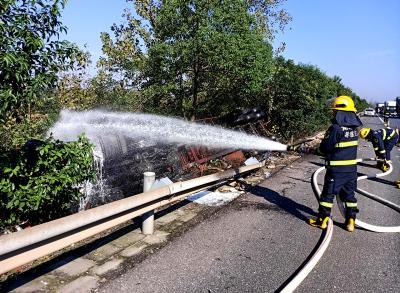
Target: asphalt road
256, 243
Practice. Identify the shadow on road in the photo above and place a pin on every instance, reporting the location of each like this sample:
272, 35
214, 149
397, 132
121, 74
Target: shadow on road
285, 203
383, 181
318, 164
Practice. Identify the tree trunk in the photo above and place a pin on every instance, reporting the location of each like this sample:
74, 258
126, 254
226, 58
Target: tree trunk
195, 90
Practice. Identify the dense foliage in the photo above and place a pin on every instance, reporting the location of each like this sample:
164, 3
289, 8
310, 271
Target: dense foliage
41, 181
30, 54
192, 58
43, 185
214, 57
198, 59
298, 98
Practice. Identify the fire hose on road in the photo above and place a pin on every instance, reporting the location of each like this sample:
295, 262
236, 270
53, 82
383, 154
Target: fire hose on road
307, 268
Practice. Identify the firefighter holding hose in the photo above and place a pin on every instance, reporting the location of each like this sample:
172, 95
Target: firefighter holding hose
339, 147
383, 141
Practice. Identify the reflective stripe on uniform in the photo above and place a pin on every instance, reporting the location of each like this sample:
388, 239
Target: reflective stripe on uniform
342, 163
326, 204
382, 151
384, 134
391, 135
351, 204
346, 144
375, 149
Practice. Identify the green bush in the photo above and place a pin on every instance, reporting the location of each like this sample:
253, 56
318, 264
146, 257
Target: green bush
40, 182
298, 96
31, 54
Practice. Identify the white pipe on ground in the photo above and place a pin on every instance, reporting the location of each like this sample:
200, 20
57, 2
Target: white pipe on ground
370, 227
307, 268
299, 278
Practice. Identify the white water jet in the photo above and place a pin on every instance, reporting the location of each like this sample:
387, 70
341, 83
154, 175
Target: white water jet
126, 144
156, 129
88, 188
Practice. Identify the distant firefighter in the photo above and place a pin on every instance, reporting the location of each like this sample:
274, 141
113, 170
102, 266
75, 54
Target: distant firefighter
383, 140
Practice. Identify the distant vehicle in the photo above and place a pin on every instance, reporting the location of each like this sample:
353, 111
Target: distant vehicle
390, 109
379, 108
398, 106
369, 112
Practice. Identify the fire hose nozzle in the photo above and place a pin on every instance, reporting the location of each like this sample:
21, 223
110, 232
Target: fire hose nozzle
290, 148
294, 147
301, 148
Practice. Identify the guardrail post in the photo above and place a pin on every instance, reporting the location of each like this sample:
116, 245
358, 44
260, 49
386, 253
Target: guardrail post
148, 218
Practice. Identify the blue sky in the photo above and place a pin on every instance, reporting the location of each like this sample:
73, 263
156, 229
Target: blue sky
359, 40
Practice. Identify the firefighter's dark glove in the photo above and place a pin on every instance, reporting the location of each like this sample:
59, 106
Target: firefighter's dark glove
301, 148
306, 150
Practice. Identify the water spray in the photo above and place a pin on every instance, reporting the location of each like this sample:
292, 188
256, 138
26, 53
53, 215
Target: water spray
128, 144
159, 129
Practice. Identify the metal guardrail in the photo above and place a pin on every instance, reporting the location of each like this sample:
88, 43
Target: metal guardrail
25, 246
